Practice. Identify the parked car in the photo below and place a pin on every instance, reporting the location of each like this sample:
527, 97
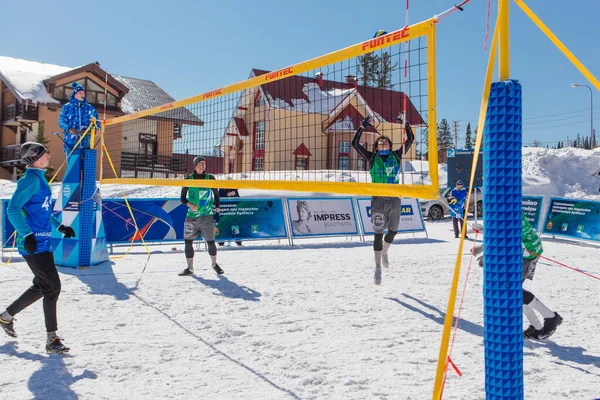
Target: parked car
436, 209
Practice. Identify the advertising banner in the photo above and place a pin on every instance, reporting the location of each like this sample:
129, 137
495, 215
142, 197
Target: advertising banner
532, 207
460, 163
247, 219
578, 219
322, 216
411, 219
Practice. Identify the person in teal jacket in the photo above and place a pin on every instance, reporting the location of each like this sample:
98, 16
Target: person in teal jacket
532, 251
30, 212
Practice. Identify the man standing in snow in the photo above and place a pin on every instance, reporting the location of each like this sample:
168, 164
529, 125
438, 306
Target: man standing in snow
456, 200
532, 250
385, 166
75, 117
30, 212
201, 218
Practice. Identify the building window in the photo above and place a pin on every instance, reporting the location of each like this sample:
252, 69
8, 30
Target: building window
258, 164
301, 164
259, 135
344, 162
94, 93
361, 164
344, 147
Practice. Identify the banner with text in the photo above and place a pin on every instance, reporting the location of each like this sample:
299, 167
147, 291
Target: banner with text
579, 219
411, 219
243, 219
532, 207
322, 216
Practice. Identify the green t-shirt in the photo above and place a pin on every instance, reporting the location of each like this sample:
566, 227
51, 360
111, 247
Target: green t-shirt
531, 241
385, 171
203, 199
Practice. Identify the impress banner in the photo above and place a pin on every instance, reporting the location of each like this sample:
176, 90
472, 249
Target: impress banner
246, 219
322, 216
532, 207
579, 219
411, 219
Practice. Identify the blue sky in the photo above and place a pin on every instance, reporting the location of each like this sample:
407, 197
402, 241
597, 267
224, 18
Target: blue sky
189, 47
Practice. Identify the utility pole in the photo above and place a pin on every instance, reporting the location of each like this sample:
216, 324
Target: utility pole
455, 124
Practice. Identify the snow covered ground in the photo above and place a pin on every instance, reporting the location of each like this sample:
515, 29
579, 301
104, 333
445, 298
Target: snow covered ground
313, 328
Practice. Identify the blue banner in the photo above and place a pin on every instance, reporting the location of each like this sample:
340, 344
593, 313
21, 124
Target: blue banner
247, 219
460, 163
578, 219
532, 207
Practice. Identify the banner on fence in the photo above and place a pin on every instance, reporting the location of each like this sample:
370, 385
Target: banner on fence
411, 219
243, 219
579, 219
322, 216
532, 207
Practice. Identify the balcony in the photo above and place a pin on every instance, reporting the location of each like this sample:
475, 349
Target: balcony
15, 113
134, 165
10, 156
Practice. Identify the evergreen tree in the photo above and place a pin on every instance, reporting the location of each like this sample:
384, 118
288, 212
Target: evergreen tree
384, 71
468, 140
367, 69
444, 137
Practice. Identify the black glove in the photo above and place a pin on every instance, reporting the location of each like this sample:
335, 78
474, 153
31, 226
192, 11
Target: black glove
30, 244
217, 217
366, 122
67, 231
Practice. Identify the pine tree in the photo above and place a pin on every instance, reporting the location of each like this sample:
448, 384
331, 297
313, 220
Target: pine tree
468, 140
41, 139
384, 71
367, 69
444, 137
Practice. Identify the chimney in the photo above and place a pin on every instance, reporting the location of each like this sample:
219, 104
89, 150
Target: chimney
352, 81
319, 79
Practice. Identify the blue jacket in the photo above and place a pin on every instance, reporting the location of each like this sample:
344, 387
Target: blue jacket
458, 210
30, 210
77, 115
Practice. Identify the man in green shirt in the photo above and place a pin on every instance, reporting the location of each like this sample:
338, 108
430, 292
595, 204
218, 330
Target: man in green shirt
532, 251
201, 218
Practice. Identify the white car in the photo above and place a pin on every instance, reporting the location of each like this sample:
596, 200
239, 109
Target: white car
436, 209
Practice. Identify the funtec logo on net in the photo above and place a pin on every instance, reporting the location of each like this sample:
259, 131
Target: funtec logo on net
386, 39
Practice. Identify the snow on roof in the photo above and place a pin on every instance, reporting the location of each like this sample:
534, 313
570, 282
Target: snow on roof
26, 78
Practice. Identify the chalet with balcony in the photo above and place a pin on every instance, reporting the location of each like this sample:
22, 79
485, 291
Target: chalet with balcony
31, 92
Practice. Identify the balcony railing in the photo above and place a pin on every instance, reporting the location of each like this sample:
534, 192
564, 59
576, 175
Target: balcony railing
10, 155
151, 165
20, 112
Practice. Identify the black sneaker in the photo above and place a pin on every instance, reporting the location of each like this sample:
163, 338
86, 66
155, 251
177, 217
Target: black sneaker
218, 269
532, 333
550, 325
56, 346
186, 271
8, 327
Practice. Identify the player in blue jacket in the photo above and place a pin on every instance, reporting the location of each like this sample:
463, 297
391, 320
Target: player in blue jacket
30, 212
457, 200
75, 116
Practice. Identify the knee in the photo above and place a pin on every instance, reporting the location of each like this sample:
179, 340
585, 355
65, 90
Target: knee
389, 237
527, 297
212, 249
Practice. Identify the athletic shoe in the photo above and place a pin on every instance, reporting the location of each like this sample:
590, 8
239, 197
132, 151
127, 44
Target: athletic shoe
532, 333
377, 276
8, 327
56, 346
186, 271
550, 325
218, 269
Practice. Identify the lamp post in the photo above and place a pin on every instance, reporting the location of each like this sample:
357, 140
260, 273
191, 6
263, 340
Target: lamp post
592, 135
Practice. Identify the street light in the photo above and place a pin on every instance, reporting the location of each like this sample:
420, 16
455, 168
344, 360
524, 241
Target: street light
592, 136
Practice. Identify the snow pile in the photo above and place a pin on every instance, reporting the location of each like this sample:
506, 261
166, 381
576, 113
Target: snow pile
26, 78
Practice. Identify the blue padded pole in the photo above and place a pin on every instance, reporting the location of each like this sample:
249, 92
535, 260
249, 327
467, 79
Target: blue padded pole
502, 285
88, 208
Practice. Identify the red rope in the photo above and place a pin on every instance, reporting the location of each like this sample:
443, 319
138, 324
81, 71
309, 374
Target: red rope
566, 266
454, 331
